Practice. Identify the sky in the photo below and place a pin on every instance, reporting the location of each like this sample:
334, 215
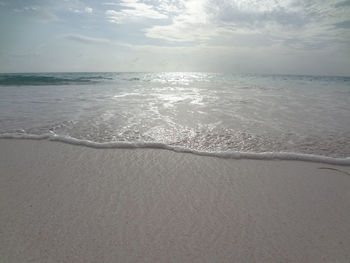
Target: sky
310, 37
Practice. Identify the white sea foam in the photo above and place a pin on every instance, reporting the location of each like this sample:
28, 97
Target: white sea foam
126, 95
154, 145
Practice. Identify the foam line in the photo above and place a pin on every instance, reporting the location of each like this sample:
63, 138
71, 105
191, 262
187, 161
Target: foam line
155, 145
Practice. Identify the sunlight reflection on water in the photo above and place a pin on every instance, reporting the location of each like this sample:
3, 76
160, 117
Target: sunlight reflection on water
204, 111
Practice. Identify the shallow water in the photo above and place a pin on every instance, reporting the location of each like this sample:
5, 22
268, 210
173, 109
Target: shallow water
196, 111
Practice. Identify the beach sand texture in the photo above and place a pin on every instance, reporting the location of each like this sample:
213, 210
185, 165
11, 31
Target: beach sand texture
66, 203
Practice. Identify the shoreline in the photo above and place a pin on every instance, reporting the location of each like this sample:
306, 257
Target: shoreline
63, 203
282, 156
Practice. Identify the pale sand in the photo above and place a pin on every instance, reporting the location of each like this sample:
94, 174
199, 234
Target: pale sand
64, 203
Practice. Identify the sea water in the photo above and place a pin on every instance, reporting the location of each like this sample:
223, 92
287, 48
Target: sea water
197, 112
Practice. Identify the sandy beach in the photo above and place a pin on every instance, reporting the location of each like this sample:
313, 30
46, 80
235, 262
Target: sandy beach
68, 203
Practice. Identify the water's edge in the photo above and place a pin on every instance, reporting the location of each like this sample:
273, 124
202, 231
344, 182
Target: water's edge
153, 145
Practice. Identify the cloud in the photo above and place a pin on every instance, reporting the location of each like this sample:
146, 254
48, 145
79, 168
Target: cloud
170, 6
343, 24
93, 40
133, 10
343, 4
110, 4
295, 23
88, 10
202, 20
85, 39
259, 15
192, 24
39, 13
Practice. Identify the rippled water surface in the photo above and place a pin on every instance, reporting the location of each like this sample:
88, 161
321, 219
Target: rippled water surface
202, 111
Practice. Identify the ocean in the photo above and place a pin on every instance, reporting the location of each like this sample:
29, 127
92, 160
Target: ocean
208, 113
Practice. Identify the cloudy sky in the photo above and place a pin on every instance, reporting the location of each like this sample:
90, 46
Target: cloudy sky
243, 36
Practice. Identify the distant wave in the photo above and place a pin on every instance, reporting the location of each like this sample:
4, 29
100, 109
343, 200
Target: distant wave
155, 145
132, 79
37, 79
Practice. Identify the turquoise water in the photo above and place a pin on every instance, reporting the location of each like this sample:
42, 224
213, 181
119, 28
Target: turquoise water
199, 111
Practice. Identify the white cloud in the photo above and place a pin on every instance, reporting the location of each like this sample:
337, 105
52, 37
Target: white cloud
85, 39
306, 22
110, 4
93, 40
38, 13
191, 24
133, 10
81, 10
169, 6
205, 19
88, 10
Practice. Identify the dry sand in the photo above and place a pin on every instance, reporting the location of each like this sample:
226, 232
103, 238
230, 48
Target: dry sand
65, 203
